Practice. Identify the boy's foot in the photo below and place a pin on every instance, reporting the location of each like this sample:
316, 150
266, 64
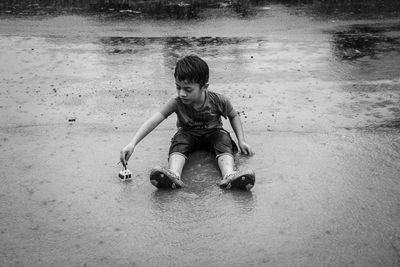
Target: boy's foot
162, 177
243, 180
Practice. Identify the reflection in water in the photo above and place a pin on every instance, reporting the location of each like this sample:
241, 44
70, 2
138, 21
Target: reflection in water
209, 203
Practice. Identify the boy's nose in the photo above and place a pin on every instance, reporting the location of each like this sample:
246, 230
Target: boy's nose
182, 94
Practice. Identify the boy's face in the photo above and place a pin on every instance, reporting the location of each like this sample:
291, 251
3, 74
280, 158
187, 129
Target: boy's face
190, 93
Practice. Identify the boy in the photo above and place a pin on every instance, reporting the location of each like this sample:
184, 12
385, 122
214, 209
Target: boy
199, 124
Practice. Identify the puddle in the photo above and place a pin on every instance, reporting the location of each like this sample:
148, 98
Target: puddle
389, 124
358, 41
131, 45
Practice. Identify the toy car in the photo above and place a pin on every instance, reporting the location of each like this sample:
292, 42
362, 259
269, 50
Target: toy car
125, 175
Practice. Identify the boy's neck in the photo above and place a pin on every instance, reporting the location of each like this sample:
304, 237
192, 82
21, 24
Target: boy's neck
201, 102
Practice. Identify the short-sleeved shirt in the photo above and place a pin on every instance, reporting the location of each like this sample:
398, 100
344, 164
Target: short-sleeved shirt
207, 117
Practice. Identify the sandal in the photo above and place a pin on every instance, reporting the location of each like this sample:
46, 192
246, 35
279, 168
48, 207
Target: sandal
162, 177
243, 180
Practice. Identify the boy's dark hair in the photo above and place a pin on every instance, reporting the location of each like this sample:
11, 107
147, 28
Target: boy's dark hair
192, 69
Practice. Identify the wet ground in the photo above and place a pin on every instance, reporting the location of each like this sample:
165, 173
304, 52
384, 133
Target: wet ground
318, 94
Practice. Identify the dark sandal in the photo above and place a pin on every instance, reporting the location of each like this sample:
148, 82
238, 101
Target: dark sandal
162, 177
243, 180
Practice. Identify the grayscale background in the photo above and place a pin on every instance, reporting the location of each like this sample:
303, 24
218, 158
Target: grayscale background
317, 86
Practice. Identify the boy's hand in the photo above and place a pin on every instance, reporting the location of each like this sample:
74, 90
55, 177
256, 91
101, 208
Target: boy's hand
125, 154
246, 149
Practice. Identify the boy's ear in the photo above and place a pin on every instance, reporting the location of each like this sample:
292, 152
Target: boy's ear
204, 87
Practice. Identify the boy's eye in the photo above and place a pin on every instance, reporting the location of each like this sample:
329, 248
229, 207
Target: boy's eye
184, 89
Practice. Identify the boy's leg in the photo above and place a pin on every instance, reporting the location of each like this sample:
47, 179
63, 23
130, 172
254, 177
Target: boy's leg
226, 164
176, 162
169, 177
234, 179
224, 148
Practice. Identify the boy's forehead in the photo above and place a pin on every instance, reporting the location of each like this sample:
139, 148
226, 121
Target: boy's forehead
185, 82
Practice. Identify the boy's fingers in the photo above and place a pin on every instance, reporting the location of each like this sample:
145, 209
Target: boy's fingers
250, 151
123, 159
247, 151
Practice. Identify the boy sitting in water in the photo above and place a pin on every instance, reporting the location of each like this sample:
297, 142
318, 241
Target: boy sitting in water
199, 125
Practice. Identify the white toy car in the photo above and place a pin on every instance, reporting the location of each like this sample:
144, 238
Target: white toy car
125, 175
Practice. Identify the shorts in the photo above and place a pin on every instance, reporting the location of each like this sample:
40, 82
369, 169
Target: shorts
216, 140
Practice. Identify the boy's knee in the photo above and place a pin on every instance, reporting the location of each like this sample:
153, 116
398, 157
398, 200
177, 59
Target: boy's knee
224, 145
181, 144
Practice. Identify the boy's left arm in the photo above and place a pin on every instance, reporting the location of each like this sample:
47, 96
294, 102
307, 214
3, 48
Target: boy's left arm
236, 124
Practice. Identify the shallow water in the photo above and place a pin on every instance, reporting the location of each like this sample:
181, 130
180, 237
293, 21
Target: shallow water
318, 93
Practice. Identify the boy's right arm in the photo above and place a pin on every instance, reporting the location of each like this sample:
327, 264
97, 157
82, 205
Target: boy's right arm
144, 130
